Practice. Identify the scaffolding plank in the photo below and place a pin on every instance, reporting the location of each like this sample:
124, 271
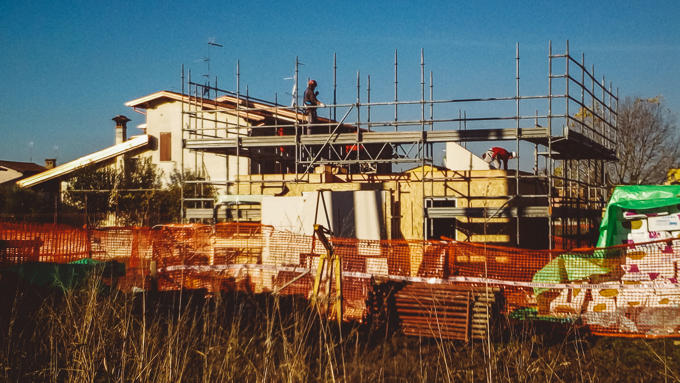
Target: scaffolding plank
210, 143
488, 212
485, 134
399, 137
573, 146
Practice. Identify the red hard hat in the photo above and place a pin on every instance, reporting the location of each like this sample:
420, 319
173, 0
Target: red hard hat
311, 83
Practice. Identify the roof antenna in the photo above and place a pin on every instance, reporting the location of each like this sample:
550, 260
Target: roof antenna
206, 88
294, 93
30, 151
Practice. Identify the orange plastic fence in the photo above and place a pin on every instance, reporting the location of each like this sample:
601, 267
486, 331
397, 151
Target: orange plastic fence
628, 290
24, 242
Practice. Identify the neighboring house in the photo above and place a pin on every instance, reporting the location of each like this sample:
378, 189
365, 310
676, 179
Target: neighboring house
12, 171
162, 140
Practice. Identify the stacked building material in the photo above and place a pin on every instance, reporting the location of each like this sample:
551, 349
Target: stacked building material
447, 311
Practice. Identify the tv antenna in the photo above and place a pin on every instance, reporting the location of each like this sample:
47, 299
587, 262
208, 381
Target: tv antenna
294, 94
206, 89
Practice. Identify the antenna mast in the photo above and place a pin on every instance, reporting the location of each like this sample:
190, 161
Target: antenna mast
211, 42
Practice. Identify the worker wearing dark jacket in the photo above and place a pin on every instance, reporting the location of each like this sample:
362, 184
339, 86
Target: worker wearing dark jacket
310, 100
496, 154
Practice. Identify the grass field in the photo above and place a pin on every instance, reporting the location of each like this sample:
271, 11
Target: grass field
94, 334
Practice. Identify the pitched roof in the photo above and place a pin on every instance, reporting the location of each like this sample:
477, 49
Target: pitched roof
164, 96
22, 167
133, 143
256, 110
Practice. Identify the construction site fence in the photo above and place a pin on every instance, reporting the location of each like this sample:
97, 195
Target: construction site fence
627, 290
57, 215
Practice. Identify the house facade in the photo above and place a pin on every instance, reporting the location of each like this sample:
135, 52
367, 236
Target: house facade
162, 142
166, 113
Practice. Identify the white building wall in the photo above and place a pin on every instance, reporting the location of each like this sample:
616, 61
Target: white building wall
8, 175
167, 118
349, 214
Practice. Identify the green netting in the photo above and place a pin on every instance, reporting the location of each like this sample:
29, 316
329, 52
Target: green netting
635, 197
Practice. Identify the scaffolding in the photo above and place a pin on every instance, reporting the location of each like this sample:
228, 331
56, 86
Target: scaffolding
572, 130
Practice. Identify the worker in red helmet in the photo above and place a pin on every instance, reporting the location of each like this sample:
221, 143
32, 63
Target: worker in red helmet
494, 155
310, 100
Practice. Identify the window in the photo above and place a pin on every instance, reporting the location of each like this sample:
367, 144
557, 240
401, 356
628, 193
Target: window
440, 222
166, 147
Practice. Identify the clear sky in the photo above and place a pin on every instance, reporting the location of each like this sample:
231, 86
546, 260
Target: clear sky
67, 67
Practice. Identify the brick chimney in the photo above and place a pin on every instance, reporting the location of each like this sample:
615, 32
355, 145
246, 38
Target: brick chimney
50, 163
121, 128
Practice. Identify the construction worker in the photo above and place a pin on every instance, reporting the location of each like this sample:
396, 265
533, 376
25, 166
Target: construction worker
494, 155
310, 100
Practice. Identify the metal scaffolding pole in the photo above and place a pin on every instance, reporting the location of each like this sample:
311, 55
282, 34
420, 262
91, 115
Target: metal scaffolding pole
345, 144
518, 136
549, 160
423, 141
181, 184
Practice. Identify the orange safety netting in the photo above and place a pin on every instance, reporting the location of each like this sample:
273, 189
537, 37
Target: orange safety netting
628, 290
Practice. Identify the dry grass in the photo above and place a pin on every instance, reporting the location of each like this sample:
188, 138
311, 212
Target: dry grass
90, 334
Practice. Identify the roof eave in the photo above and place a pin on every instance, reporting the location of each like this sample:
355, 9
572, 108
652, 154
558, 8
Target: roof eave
96, 157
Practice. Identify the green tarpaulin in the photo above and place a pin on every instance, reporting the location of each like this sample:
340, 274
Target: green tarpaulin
636, 197
578, 267
568, 268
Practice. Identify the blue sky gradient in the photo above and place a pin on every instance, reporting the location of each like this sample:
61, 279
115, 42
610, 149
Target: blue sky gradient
68, 67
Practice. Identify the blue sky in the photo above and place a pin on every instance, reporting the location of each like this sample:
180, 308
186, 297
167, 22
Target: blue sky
68, 67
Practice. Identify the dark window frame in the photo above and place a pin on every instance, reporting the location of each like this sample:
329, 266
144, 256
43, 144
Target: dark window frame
165, 147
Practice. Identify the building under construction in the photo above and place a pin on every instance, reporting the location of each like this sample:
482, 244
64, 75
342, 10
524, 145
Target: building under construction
570, 132
351, 216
